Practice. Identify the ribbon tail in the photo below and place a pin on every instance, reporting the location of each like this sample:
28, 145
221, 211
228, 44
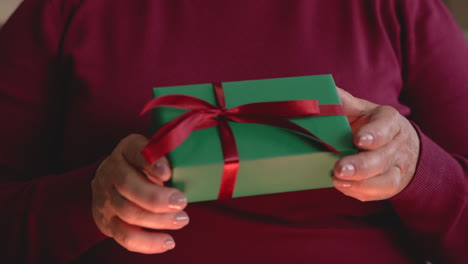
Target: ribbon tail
174, 133
282, 123
289, 109
331, 109
231, 160
285, 109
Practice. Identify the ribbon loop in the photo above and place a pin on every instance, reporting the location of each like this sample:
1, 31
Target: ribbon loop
179, 101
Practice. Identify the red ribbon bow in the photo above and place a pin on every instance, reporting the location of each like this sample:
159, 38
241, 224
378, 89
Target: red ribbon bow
203, 115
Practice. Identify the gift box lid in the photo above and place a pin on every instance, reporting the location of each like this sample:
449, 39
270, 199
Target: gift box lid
256, 141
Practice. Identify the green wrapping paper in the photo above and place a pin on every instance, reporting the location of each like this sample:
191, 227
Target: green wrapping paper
272, 160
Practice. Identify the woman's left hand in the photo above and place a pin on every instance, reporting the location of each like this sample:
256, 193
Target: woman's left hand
389, 151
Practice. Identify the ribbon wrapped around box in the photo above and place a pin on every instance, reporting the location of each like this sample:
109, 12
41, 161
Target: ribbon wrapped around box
246, 138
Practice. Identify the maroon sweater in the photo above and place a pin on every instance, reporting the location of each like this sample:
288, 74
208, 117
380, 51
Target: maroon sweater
75, 73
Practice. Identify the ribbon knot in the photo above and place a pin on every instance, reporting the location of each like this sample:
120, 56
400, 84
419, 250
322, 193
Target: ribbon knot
202, 115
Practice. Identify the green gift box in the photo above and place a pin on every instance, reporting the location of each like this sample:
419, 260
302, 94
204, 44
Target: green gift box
272, 159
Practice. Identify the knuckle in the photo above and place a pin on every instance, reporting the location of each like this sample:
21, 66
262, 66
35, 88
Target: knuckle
122, 143
363, 164
134, 138
395, 183
392, 122
102, 172
408, 165
99, 202
127, 212
392, 189
134, 245
96, 185
152, 199
102, 222
124, 180
384, 157
116, 202
394, 117
128, 241
366, 165
392, 112
130, 150
154, 246
131, 137
380, 133
128, 140
155, 198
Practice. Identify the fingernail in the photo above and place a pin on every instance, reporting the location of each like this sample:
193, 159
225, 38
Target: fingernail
347, 170
365, 140
345, 184
177, 201
181, 218
169, 244
160, 168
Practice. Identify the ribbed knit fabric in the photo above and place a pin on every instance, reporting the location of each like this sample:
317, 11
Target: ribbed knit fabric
74, 75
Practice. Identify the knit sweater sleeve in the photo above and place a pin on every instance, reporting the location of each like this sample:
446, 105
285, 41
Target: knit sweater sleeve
434, 206
44, 218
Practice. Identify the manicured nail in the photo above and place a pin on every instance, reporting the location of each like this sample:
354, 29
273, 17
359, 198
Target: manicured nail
177, 201
365, 140
347, 171
169, 244
345, 184
160, 168
181, 218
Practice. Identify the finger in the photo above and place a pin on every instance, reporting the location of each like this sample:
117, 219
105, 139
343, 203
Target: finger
137, 240
383, 126
131, 151
135, 187
377, 188
365, 164
135, 215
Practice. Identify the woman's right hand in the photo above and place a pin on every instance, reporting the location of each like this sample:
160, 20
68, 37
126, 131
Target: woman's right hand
129, 196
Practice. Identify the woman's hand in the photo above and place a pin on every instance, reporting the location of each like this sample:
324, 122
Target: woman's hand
128, 196
390, 153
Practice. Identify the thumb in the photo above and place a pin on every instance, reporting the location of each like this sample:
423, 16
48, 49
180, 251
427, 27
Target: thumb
354, 107
131, 148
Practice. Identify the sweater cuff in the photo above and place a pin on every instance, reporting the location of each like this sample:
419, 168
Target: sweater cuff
437, 179
68, 219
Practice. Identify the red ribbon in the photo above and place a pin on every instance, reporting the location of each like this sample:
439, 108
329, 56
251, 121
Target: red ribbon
202, 115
